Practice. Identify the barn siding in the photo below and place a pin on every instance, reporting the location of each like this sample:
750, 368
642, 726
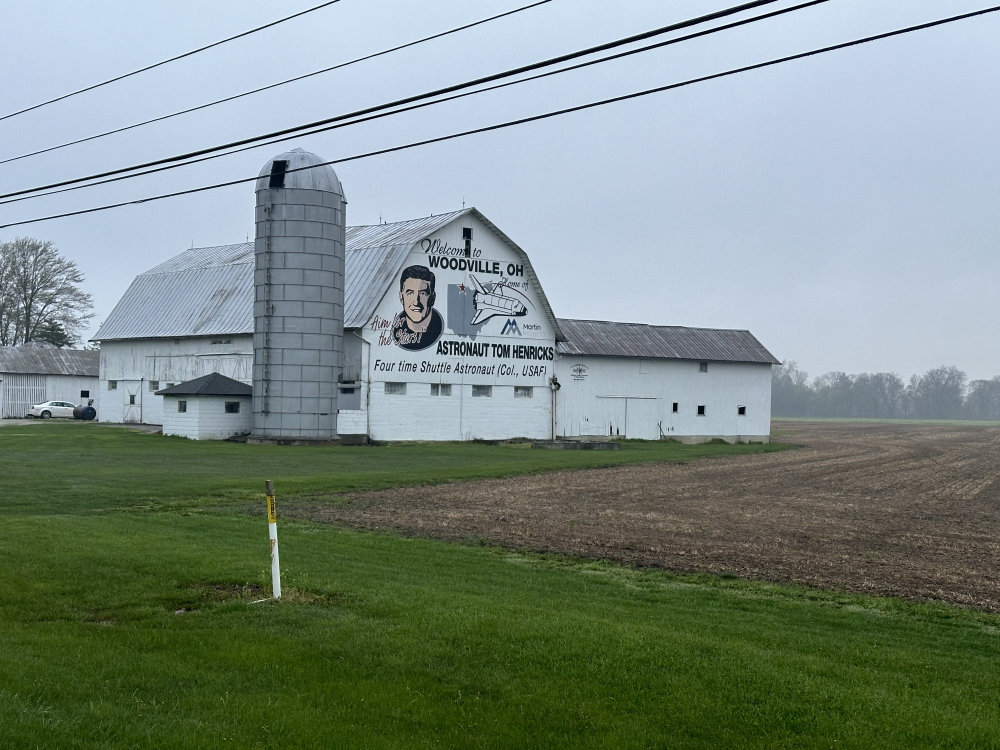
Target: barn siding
418, 415
634, 398
206, 417
21, 391
142, 366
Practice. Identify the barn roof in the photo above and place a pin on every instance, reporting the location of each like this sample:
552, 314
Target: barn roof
36, 360
212, 384
374, 258
209, 291
201, 292
605, 339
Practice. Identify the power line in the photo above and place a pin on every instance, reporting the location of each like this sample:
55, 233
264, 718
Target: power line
275, 85
412, 107
168, 60
407, 100
532, 118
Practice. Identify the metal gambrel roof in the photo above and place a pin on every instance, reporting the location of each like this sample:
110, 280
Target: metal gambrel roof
600, 338
375, 256
209, 291
183, 297
32, 360
206, 257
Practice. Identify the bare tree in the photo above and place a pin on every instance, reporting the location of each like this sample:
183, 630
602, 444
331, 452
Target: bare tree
833, 395
7, 306
790, 392
891, 391
938, 393
39, 292
983, 400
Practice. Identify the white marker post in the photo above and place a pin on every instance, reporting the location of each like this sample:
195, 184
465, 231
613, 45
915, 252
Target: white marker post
272, 532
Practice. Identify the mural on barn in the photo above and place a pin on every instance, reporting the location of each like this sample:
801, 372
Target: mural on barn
419, 324
463, 314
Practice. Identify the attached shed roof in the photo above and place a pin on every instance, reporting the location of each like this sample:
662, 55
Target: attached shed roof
213, 384
605, 339
30, 360
209, 291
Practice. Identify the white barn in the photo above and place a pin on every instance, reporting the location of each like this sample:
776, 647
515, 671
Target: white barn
448, 335
33, 373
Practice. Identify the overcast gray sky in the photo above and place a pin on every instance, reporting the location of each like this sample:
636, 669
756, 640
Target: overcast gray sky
843, 208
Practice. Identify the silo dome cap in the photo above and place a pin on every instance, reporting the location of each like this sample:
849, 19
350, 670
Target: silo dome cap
298, 174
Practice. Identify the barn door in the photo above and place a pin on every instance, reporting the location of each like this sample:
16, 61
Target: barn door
642, 418
132, 391
20, 392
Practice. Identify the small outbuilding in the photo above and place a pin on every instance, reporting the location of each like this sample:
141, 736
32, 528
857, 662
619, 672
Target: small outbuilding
212, 407
37, 372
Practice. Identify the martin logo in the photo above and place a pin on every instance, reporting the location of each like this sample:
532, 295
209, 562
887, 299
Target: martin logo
510, 327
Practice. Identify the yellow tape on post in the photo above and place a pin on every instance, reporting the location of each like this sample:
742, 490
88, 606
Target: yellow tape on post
272, 513
272, 533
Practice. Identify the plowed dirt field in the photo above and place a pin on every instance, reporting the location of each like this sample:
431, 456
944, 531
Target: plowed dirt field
889, 509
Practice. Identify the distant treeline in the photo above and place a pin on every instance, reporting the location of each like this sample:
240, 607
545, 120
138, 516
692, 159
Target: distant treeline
941, 393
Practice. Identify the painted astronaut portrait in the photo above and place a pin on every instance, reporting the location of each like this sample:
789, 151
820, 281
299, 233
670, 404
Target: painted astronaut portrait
419, 325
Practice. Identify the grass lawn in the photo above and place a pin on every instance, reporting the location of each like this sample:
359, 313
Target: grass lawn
130, 606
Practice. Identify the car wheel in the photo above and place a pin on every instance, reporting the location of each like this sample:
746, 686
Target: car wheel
46, 414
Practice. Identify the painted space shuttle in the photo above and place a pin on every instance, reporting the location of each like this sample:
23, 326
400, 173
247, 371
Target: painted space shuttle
494, 302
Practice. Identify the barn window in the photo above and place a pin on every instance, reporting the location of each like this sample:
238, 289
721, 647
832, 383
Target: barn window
232, 407
154, 385
182, 407
703, 367
482, 391
84, 394
523, 391
741, 411
395, 389
701, 410
112, 385
676, 407
440, 389
131, 399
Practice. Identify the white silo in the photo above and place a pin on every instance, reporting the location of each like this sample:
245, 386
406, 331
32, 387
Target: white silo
298, 299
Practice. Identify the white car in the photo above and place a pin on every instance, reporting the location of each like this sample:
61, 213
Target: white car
48, 409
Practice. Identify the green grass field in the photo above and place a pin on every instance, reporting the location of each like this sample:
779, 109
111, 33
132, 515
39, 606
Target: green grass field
130, 605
